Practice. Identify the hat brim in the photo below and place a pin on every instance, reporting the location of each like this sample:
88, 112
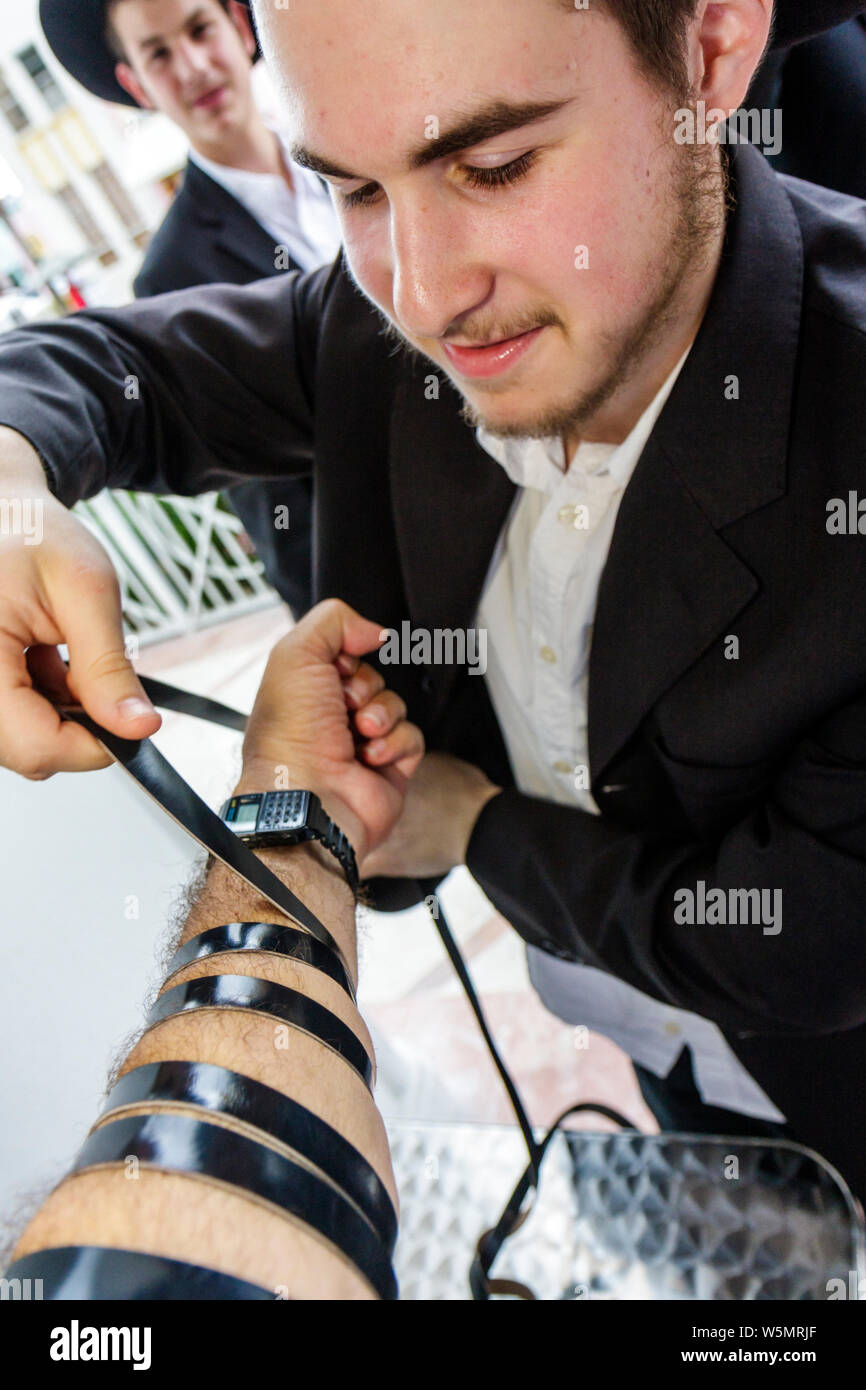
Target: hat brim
75, 32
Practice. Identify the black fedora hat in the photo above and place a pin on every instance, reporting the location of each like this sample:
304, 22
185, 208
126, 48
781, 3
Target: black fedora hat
75, 30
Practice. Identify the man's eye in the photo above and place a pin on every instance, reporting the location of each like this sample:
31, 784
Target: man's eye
158, 54
498, 176
361, 196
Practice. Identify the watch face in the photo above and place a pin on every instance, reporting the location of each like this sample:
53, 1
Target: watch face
244, 822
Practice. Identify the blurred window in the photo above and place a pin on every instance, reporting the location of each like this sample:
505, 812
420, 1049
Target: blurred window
31, 61
119, 199
15, 116
87, 224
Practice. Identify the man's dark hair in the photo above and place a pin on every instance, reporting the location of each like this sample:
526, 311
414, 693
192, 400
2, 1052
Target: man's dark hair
111, 36
656, 30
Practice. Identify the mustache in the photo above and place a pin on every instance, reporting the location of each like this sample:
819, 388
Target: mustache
477, 331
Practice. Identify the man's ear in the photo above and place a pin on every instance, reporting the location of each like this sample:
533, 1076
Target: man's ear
240, 17
127, 79
729, 40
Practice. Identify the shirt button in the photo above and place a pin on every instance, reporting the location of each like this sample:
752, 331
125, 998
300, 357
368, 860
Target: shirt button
548, 654
562, 766
672, 1029
567, 515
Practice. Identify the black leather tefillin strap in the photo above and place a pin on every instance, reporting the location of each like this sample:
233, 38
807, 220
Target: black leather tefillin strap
161, 781
72, 1272
203, 1150
261, 996
217, 1090
272, 938
146, 765
514, 1215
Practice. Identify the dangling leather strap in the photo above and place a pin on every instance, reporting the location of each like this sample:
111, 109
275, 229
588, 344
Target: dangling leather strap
155, 775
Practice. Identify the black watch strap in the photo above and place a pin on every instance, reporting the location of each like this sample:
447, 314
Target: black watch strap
321, 828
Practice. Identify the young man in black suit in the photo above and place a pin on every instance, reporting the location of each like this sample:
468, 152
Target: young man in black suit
245, 210
625, 445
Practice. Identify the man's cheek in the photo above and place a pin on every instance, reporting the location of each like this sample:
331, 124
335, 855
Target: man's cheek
371, 270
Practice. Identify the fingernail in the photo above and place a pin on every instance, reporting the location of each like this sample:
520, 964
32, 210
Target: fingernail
376, 716
354, 692
134, 708
376, 748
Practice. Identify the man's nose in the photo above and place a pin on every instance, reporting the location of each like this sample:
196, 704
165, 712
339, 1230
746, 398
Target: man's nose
190, 61
436, 277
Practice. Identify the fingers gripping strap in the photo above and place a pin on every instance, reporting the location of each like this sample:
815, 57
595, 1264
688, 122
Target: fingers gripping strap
182, 1144
263, 936
217, 1089
73, 1272
287, 1005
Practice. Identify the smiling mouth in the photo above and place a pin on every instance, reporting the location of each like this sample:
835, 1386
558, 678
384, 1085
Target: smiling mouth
209, 98
490, 359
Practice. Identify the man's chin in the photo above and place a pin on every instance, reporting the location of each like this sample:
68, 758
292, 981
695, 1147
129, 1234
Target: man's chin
512, 420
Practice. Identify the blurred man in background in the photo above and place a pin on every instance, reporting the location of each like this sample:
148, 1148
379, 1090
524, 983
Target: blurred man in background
245, 211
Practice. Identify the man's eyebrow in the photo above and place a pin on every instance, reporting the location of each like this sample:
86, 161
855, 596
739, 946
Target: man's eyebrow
497, 118
155, 39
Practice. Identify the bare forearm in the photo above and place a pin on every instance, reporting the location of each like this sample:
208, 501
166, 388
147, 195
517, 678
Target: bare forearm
20, 465
185, 1217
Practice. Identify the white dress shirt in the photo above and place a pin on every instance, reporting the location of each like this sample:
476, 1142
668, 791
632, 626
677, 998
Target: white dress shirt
538, 606
303, 221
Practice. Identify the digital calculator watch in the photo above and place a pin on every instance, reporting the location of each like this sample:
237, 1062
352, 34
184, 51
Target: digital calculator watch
288, 818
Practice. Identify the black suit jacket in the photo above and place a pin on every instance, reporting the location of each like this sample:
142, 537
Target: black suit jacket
741, 773
208, 237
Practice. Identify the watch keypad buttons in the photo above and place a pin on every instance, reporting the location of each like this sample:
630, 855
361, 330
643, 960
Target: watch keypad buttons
281, 808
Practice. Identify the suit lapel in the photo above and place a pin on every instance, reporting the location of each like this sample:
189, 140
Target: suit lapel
230, 226
672, 585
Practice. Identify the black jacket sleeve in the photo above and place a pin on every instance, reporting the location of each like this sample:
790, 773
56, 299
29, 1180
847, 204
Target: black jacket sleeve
589, 890
186, 393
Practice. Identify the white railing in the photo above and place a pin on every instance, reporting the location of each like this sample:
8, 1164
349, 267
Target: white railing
183, 563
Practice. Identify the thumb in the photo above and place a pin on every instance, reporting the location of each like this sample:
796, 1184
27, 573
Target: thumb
100, 674
333, 627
